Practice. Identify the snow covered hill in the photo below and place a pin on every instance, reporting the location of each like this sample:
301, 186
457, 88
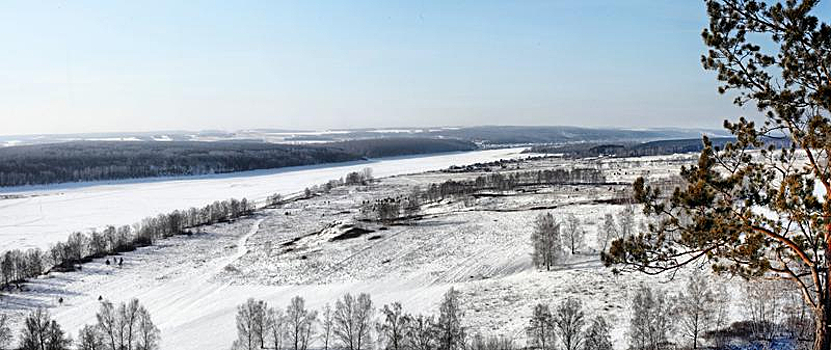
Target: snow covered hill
319, 248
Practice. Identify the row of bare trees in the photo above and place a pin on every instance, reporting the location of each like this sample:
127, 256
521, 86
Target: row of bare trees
355, 178
698, 316
409, 204
511, 180
127, 326
17, 265
567, 327
353, 324
552, 239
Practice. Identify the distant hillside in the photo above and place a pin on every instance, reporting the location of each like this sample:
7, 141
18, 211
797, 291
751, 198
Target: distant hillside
116, 160
401, 146
101, 160
500, 135
482, 135
652, 148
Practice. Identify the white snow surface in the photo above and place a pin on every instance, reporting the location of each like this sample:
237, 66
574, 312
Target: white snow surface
41, 215
193, 284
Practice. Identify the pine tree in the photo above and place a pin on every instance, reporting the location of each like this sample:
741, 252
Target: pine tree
772, 56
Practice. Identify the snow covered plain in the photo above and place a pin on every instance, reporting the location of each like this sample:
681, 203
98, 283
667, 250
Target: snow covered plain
40, 215
192, 284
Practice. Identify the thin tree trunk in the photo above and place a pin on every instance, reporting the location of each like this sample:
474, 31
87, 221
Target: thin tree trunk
822, 341
822, 313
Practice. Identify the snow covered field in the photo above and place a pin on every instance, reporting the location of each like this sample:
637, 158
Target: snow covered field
192, 284
38, 216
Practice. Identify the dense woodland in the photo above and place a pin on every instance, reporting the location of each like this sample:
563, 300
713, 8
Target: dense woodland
402, 146
652, 148
94, 161
110, 160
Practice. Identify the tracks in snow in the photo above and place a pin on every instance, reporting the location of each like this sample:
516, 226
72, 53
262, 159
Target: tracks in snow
241, 248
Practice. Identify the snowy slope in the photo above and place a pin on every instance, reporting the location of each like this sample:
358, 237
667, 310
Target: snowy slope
192, 285
38, 216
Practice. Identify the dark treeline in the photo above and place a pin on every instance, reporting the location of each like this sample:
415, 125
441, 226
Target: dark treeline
652, 148
16, 265
489, 166
95, 161
106, 160
355, 178
401, 146
513, 180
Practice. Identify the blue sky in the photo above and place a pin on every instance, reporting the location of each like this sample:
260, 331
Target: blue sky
90, 66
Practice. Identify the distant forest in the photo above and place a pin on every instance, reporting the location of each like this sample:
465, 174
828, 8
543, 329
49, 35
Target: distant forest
653, 148
388, 147
116, 160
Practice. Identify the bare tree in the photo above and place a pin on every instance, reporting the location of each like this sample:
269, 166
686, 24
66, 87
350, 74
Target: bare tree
764, 301
606, 231
541, 327
597, 336
412, 204
41, 332
798, 317
546, 241
626, 222
326, 323
651, 320
394, 326
573, 234
451, 334
276, 325
90, 338
259, 328
493, 342
109, 324
5, 332
352, 321
76, 246
422, 333
570, 319
695, 308
722, 307
7, 268
246, 336
300, 323
148, 334
127, 327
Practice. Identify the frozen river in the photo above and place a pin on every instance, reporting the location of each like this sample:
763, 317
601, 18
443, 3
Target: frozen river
42, 215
